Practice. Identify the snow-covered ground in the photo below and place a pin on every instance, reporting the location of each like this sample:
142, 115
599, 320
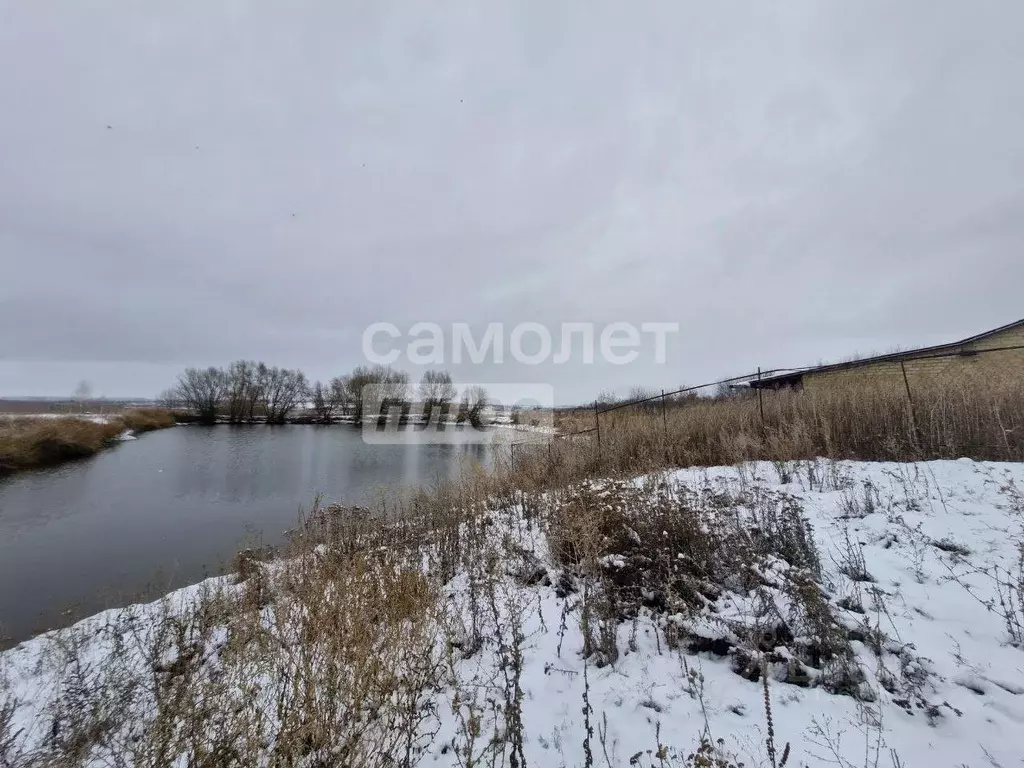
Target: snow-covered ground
918, 563
541, 429
97, 418
947, 688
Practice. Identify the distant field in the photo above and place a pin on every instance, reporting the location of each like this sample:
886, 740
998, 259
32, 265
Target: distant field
40, 406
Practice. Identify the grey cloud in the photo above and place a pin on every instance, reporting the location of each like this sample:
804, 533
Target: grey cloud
789, 183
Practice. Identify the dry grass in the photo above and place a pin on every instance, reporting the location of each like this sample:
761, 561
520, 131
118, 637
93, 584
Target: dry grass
26, 442
979, 418
668, 550
140, 420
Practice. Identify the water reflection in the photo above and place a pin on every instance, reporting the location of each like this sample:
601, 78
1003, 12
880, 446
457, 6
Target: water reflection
177, 503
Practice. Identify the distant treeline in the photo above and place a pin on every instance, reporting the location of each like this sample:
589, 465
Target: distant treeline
248, 391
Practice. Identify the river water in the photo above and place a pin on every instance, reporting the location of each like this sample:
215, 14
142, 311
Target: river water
153, 514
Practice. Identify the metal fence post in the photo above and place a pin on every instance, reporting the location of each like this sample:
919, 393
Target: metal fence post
913, 408
760, 398
597, 418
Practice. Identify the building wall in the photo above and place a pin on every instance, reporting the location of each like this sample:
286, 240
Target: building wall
1011, 337
931, 369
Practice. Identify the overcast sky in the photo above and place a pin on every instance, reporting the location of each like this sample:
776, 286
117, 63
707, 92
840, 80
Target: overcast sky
190, 182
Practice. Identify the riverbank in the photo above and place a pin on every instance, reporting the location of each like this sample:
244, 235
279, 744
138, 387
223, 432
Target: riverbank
765, 613
29, 442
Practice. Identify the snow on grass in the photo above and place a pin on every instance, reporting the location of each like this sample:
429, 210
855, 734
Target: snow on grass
540, 429
919, 652
935, 537
944, 688
95, 418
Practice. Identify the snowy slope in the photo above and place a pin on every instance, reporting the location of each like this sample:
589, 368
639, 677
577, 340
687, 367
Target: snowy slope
912, 559
941, 640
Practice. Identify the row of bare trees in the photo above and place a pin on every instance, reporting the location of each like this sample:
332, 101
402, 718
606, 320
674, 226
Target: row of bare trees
246, 391
382, 387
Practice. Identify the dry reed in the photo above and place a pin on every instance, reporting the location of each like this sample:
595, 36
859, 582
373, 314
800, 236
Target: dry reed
26, 443
974, 417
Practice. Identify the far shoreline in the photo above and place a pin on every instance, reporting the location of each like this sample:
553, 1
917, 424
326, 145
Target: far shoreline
44, 440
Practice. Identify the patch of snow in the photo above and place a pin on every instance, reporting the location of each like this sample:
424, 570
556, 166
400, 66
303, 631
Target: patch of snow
541, 429
96, 418
613, 561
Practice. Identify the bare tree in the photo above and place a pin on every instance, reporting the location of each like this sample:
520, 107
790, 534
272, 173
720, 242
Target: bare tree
241, 376
341, 394
170, 398
83, 391
254, 392
728, 391
202, 390
359, 381
641, 393
688, 396
324, 402
474, 401
280, 391
378, 386
436, 390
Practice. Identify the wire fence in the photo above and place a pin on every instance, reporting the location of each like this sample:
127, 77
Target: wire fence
663, 399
